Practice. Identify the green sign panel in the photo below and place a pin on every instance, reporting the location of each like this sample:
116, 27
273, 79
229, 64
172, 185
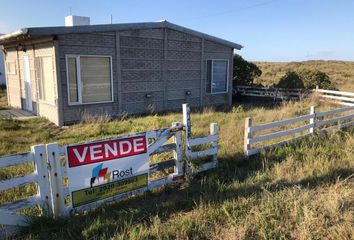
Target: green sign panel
107, 190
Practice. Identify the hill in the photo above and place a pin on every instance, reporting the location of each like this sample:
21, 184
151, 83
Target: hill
341, 73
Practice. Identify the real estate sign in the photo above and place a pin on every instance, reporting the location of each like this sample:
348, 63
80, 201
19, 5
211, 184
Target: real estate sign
103, 169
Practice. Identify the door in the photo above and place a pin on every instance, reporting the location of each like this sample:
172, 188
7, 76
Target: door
27, 78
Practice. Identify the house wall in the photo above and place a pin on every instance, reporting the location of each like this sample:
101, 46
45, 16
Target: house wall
15, 82
162, 64
13, 79
86, 44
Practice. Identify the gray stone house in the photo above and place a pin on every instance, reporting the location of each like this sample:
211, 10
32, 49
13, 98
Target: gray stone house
67, 73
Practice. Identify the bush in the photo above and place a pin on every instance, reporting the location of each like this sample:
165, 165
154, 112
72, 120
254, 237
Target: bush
244, 72
291, 80
305, 78
313, 78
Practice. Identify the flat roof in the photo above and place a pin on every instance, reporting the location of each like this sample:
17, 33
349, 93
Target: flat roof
48, 31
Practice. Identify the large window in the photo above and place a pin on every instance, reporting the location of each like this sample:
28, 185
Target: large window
217, 76
46, 79
89, 79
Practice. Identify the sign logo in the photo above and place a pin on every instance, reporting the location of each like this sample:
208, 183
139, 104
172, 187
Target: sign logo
96, 152
101, 175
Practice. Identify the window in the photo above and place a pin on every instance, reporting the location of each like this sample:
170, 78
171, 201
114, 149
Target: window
46, 80
89, 79
11, 68
217, 76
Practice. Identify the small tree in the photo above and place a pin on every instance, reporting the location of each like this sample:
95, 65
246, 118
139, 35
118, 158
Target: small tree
290, 80
244, 72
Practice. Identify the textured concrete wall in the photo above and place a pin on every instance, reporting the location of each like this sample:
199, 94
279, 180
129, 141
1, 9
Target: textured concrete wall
87, 44
153, 69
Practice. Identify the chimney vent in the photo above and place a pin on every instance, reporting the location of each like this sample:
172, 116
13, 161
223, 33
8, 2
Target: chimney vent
72, 20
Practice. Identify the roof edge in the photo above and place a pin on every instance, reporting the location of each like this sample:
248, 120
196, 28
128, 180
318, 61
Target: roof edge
43, 31
17, 33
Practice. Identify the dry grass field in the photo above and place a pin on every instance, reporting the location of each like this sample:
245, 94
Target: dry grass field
302, 191
341, 73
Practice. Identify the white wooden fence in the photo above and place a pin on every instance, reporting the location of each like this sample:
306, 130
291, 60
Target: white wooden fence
51, 175
313, 123
9, 212
273, 93
191, 155
341, 98
338, 97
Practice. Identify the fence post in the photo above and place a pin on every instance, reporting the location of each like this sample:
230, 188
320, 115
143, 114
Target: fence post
187, 128
56, 179
44, 190
178, 152
214, 131
248, 135
276, 95
313, 119
316, 88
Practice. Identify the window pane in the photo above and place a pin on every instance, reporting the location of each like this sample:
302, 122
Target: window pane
219, 76
73, 90
96, 79
208, 82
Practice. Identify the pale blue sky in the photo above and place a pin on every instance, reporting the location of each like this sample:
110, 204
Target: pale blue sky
270, 30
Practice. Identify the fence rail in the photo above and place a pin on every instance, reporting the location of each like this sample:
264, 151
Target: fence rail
341, 98
338, 97
313, 123
274, 93
9, 215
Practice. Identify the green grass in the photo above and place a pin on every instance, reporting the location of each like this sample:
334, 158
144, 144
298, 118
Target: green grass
3, 98
301, 191
341, 73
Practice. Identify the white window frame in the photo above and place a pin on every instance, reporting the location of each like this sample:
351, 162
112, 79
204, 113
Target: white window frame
211, 77
78, 77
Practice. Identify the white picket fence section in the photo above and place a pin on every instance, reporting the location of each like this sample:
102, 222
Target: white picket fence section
338, 97
51, 173
273, 93
314, 123
191, 155
9, 215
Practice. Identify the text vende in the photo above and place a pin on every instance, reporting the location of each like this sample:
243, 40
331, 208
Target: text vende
106, 150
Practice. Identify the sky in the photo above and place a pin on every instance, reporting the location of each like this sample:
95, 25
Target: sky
269, 30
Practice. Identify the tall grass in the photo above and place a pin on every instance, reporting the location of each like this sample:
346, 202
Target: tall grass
301, 191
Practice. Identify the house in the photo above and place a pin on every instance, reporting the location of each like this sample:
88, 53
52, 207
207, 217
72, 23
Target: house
2, 67
67, 73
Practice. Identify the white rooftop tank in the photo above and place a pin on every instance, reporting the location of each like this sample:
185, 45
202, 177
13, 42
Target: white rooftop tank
72, 20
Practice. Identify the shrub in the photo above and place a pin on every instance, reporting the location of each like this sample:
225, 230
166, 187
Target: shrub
244, 72
305, 78
290, 80
313, 78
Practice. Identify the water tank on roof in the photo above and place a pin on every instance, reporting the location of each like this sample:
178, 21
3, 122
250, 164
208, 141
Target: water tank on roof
72, 20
